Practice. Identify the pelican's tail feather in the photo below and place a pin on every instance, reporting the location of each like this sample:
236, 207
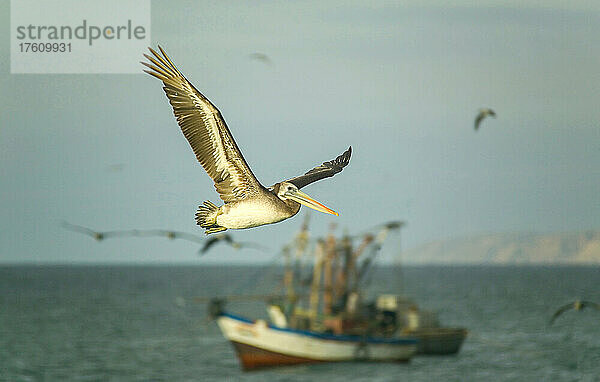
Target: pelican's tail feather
214, 229
206, 217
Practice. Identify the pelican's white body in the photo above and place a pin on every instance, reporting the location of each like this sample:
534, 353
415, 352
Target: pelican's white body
251, 213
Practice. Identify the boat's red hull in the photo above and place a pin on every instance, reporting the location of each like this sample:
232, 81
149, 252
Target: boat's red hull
252, 357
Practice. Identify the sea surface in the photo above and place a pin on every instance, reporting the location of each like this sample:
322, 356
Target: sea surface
140, 323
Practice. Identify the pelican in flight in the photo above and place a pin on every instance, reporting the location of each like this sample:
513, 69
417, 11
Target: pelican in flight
247, 202
483, 113
576, 305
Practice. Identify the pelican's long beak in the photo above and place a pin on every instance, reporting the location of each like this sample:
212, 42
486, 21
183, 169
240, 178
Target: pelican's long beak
302, 198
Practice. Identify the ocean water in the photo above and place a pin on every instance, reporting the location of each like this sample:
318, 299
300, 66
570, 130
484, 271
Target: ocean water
140, 323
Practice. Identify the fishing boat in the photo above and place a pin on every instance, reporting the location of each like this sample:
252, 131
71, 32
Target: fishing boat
261, 344
327, 316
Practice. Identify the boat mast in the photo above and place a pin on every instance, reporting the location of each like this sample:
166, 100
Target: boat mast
288, 276
330, 252
316, 281
400, 279
293, 268
301, 242
367, 239
378, 242
340, 289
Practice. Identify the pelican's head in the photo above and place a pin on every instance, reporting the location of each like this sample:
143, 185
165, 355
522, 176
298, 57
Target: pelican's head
287, 191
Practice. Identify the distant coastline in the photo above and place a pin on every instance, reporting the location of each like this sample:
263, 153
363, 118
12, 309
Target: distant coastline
572, 248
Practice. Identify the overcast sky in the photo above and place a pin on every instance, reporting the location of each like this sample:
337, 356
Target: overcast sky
400, 82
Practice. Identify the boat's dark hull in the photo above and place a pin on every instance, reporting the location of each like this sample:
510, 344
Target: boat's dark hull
439, 341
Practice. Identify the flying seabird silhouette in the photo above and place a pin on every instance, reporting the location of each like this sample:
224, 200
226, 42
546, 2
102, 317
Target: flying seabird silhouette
261, 57
99, 236
227, 238
483, 113
206, 243
576, 305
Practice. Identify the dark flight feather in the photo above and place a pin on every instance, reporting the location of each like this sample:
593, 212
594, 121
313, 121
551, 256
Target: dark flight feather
326, 170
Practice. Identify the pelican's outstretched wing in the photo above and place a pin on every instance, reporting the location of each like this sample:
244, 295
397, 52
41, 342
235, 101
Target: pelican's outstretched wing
206, 131
560, 311
323, 171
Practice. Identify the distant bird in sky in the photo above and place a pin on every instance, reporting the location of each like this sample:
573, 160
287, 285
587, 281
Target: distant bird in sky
247, 202
394, 225
261, 57
227, 238
576, 305
99, 236
115, 167
483, 113
207, 243
387, 226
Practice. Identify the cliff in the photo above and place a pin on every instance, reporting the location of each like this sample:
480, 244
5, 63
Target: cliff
510, 248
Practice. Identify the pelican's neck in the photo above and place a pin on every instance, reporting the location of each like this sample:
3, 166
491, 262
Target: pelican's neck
291, 205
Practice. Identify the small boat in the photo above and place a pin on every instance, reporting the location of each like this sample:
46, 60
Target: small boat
261, 344
423, 325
